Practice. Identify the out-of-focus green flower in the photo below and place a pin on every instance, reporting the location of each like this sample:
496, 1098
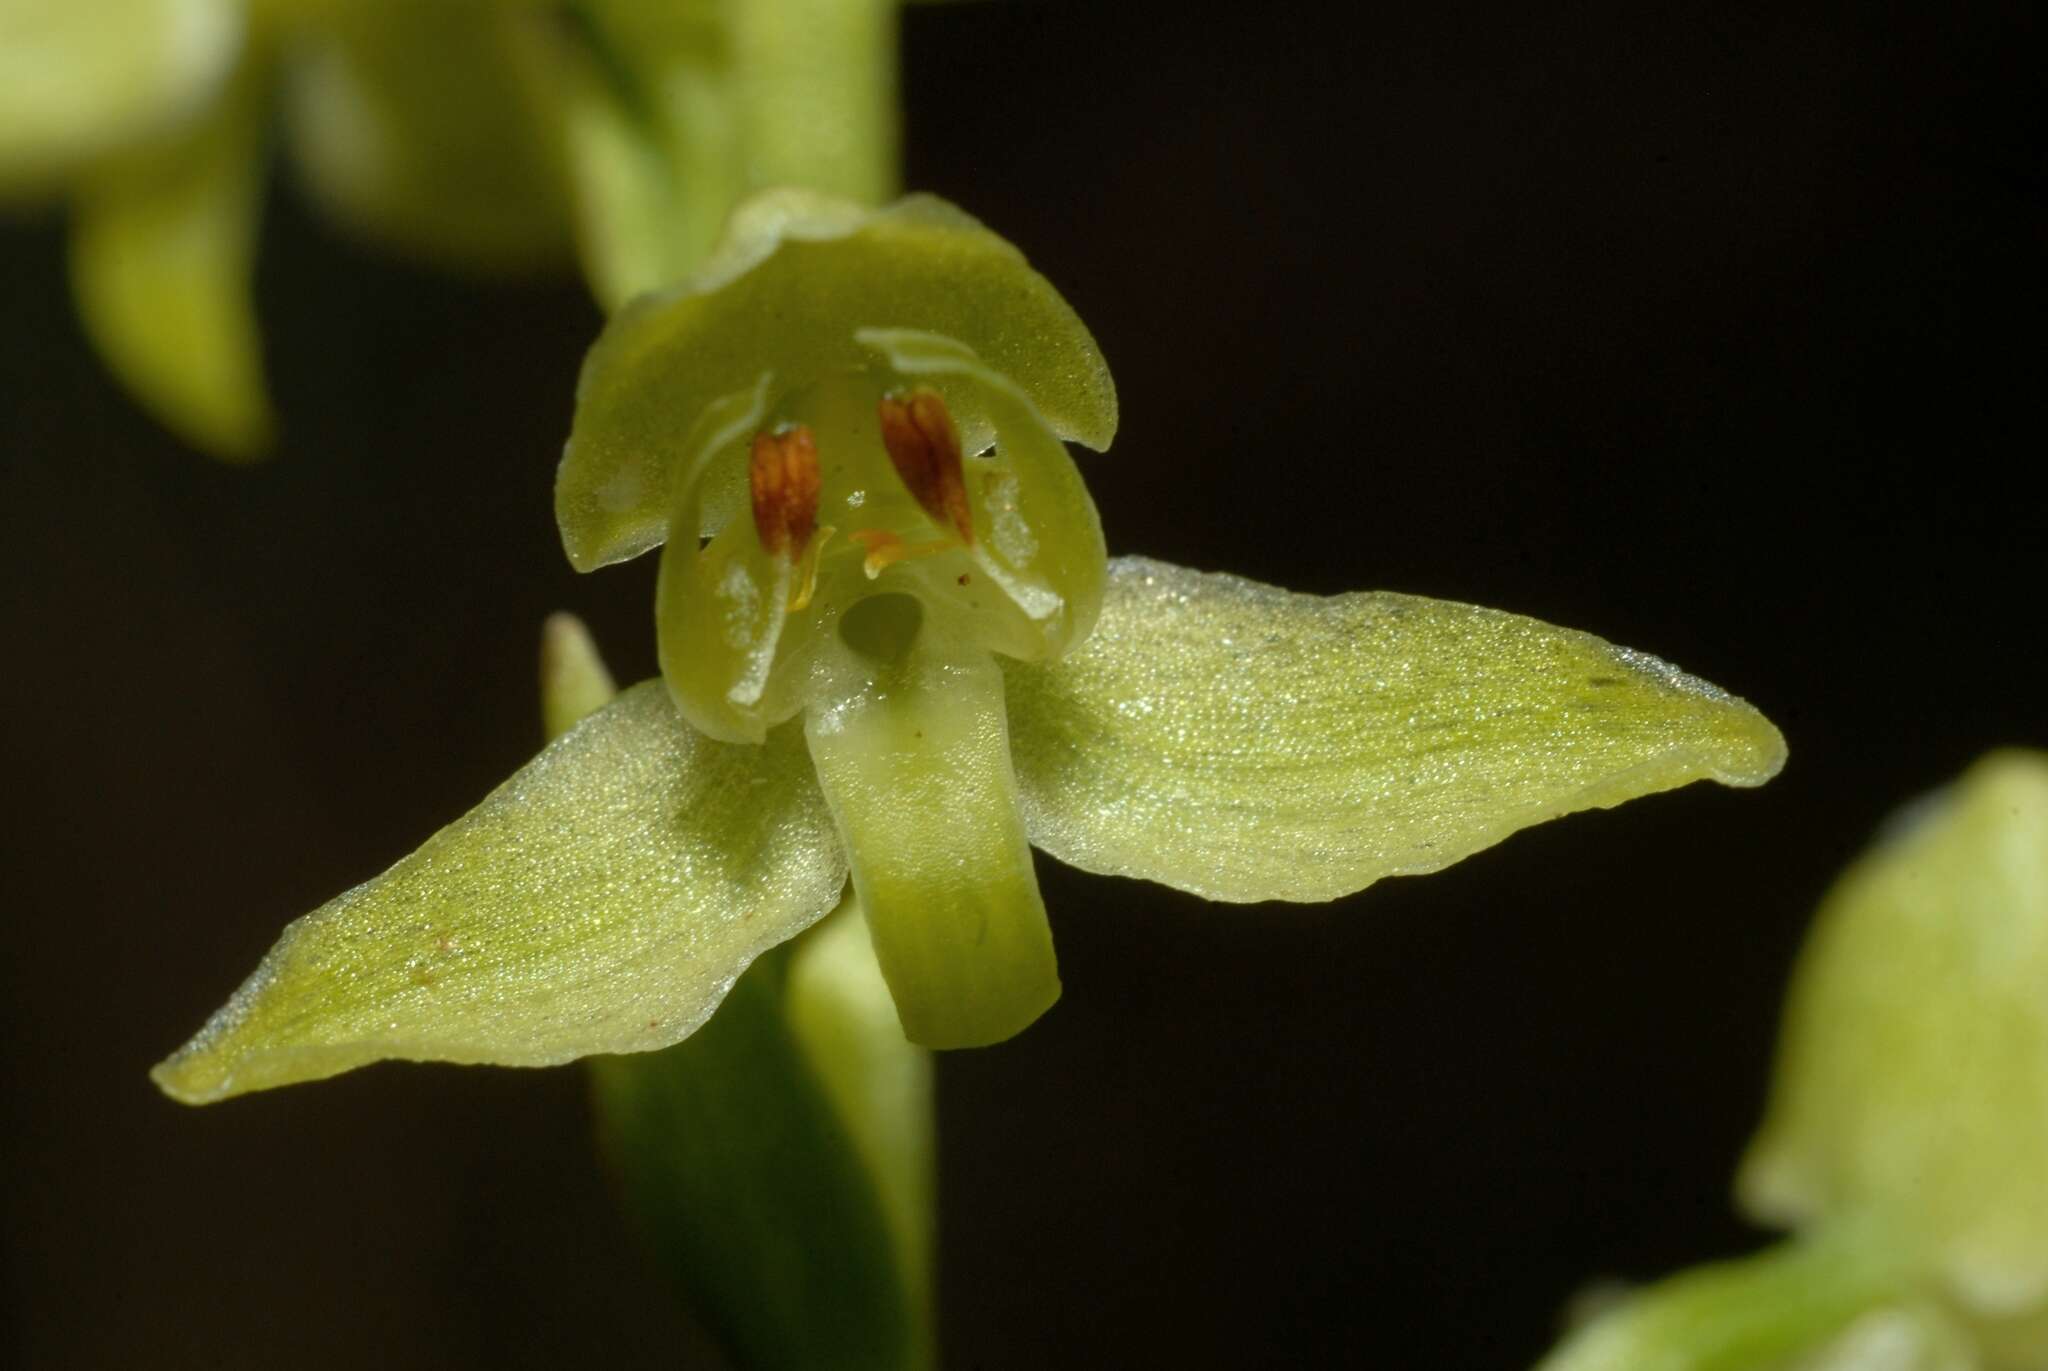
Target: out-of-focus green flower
1907, 1134
417, 124
493, 135
881, 661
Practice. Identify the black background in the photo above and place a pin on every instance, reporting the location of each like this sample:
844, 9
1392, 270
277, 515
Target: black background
1716, 335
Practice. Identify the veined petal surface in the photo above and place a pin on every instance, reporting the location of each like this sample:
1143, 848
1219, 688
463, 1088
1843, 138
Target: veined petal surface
1249, 743
795, 276
602, 900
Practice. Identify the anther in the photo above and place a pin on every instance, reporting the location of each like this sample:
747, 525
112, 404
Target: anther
782, 474
924, 448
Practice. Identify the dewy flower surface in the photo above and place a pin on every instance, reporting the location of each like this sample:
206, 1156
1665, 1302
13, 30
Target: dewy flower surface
893, 647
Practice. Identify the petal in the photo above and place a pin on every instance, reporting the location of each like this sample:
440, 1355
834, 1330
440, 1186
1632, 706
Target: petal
915, 764
755, 1188
797, 274
416, 125
1248, 743
602, 900
719, 610
78, 81
1912, 1079
163, 251
1038, 535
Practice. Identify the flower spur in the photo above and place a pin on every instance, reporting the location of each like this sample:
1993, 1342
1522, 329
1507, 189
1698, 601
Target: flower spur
893, 647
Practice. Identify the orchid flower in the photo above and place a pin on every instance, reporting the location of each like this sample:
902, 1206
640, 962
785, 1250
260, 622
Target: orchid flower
1906, 1139
893, 647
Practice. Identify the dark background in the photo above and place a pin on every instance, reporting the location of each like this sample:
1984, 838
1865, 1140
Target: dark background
1718, 336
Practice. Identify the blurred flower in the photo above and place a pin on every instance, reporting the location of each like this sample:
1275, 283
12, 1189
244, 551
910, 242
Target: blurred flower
492, 135
1906, 1140
903, 654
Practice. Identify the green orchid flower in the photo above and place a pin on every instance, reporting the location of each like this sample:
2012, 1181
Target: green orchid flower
893, 648
1906, 1139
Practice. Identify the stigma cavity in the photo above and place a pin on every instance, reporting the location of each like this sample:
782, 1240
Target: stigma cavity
924, 447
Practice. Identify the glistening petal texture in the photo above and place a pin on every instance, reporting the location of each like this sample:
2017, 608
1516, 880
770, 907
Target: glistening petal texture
796, 275
602, 900
1912, 1081
1248, 743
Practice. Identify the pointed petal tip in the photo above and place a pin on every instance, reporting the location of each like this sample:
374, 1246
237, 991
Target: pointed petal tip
551, 922
176, 1077
207, 1070
1756, 750
229, 1057
1735, 744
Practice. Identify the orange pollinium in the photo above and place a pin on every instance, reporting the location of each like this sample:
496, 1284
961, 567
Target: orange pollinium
782, 474
924, 447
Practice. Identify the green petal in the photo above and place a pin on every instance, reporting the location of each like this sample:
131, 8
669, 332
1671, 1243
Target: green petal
915, 764
1038, 535
796, 275
1912, 1079
755, 1190
602, 900
417, 125
1248, 743
719, 610
163, 252
81, 80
